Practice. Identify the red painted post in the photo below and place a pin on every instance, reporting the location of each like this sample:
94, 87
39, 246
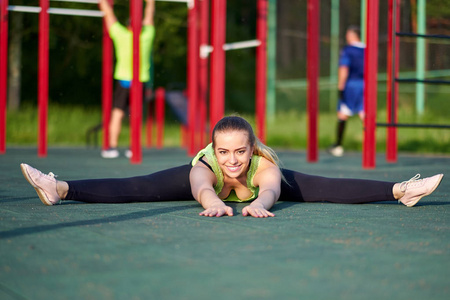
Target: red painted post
370, 85
192, 76
160, 112
217, 65
149, 126
107, 83
203, 71
3, 72
43, 78
261, 69
392, 85
136, 86
313, 33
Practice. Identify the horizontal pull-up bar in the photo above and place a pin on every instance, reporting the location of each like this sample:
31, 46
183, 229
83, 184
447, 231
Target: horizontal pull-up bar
32, 9
96, 1
241, 45
206, 49
427, 36
75, 12
78, 1
435, 126
58, 11
415, 80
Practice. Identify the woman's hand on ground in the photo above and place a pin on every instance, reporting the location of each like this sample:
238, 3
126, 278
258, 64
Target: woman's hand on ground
217, 211
257, 211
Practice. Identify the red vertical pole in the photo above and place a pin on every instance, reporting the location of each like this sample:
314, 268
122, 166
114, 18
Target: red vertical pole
392, 85
107, 83
136, 85
370, 85
203, 70
43, 78
261, 69
217, 65
192, 75
149, 124
160, 111
3, 72
313, 74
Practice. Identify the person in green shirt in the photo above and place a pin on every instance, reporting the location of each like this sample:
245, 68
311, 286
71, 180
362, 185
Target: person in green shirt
123, 72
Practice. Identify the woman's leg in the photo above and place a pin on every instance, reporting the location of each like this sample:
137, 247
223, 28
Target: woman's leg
167, 185
309, 188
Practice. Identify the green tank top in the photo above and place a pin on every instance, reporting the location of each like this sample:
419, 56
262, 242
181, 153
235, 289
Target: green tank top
212, 161
123, 46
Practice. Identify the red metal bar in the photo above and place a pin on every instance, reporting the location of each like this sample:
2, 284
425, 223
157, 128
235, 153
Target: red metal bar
217, 66
261, 68
203, 72
313, 74
149, 125
43, 78
107, 83
370, 85
136, 86
392, 85
192, 76
160, 112
3, 72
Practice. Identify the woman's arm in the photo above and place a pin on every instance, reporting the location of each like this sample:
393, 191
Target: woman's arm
269, 181
149, 13
108, 13
202, 181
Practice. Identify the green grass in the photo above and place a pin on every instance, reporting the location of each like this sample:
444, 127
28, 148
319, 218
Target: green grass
67, 126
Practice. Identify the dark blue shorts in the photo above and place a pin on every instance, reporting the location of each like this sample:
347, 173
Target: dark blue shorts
353, 101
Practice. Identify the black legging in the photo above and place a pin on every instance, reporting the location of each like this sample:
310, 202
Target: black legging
173, 185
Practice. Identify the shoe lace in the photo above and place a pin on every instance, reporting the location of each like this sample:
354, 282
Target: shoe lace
51, 174
404, 185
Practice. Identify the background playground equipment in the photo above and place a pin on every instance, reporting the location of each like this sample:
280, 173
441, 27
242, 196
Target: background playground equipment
198, 14
393, 75
43, 59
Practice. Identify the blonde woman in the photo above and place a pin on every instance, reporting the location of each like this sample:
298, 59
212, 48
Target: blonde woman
234, 167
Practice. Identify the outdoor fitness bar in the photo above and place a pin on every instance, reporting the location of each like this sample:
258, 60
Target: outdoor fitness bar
197, 69
43, 61
393, 81
217, 66
313, 17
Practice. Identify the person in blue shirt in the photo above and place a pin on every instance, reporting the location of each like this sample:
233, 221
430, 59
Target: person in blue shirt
350, 85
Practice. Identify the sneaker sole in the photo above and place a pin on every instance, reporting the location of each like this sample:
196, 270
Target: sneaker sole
39, 191
432, 190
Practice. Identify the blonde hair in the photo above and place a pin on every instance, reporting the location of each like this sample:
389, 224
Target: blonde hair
240, 124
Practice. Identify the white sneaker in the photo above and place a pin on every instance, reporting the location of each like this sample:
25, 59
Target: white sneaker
45, 185
128, 153
110, 153
416, 188
337, 151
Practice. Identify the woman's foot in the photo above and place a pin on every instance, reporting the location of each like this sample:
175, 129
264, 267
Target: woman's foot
415, 188
45, 185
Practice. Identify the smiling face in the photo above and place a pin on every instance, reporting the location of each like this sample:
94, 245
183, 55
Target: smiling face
233, 152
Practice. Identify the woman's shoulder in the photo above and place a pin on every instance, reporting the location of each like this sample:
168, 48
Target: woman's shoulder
266, 171
264, 164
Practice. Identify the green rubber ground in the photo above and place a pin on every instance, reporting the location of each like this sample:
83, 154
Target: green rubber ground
167, 251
